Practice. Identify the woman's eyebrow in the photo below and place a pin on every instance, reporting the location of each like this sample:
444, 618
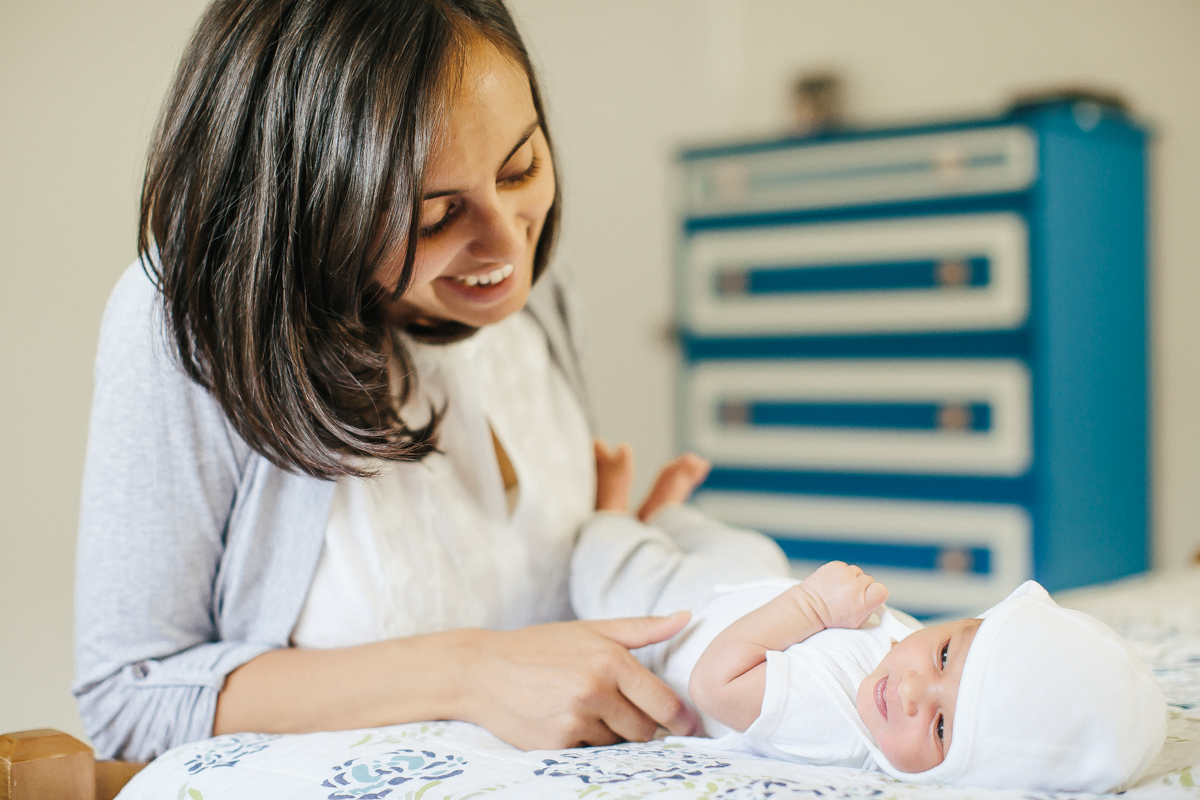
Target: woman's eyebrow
533, 126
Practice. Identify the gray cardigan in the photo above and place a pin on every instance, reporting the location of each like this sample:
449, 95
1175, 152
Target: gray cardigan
195, 553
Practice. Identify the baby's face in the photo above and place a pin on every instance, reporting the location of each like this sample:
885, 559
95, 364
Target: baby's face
908, 702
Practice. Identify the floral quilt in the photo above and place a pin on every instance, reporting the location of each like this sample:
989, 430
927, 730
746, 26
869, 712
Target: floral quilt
1159, 615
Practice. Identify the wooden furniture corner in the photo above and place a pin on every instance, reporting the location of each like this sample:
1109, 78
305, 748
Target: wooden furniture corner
50, 765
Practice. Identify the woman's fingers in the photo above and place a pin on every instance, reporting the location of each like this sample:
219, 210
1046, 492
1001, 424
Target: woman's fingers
594, 733
570, 683
625, 719
655, 705
634, 632
650, 701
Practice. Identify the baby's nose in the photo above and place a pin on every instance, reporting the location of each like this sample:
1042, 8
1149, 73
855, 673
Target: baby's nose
913, 690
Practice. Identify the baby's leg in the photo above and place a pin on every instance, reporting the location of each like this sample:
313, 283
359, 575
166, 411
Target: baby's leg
675, 484
614, 477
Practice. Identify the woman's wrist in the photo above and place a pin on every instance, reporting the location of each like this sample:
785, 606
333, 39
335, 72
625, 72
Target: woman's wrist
460, 655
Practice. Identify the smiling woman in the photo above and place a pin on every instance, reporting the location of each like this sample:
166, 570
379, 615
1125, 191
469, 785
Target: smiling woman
338, 453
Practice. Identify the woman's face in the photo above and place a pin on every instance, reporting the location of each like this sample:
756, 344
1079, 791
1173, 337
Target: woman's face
488, 188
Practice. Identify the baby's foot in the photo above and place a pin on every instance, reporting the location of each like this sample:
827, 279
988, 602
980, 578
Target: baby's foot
614, 477
674, 484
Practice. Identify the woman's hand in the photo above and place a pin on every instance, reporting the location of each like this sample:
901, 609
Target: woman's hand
569, 684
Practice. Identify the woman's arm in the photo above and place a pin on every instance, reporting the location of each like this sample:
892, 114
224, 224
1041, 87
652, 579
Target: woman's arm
193, 561
163, 478
729, 680
558, 685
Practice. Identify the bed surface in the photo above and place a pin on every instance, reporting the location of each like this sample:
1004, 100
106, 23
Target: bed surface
1159, 615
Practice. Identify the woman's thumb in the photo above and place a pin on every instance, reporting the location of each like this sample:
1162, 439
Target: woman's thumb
634, 632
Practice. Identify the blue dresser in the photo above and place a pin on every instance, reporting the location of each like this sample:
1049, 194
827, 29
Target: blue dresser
923, 350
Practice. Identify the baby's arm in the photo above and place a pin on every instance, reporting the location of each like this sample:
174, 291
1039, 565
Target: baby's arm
728, 681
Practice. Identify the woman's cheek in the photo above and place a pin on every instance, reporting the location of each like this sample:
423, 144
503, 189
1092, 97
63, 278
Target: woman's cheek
430, 263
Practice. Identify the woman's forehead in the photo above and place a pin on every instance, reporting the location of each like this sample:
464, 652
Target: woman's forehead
489, 108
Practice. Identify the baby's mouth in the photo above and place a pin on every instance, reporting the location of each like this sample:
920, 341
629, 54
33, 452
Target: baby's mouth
881, 696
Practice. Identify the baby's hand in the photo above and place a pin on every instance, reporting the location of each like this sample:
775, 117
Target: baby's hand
614, 476
842, 595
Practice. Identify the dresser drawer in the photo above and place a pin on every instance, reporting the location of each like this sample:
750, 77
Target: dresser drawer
954, 416
789, 177
949, 273
935, 558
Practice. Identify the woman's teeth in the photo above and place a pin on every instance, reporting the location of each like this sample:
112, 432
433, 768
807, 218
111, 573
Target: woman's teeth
488, 278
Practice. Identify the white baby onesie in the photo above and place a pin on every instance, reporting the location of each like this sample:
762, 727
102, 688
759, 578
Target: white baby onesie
808, 713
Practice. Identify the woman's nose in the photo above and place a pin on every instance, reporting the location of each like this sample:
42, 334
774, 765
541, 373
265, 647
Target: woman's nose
500, 233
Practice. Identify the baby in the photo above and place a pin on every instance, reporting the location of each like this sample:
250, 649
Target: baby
1027, 696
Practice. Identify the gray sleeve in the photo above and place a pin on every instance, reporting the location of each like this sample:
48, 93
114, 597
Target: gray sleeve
160, 480
720, 552
622, 568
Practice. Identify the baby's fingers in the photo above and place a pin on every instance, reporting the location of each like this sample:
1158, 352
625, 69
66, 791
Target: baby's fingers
875, 595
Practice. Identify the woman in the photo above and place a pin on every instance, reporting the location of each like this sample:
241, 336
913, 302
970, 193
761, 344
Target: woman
333, 475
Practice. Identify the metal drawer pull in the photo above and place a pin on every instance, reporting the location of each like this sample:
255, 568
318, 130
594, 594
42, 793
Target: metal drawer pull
882, 276
868, 554
970, 417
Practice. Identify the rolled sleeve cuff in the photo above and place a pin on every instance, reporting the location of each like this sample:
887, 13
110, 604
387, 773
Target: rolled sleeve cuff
151, 705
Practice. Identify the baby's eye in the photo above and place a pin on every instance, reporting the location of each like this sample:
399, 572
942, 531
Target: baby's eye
941, 728
945, 654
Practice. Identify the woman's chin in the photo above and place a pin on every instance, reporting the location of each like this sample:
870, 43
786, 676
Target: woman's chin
481, 304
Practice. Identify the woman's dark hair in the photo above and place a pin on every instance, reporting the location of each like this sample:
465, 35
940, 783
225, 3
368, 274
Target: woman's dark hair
288, 162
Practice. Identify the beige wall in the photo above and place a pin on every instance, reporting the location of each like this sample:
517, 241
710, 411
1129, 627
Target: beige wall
627, 81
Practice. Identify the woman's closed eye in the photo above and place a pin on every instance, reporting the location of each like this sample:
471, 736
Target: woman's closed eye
451, 207
523, 177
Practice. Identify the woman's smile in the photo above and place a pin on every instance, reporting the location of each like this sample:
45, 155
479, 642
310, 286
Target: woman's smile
881, 696
484, 279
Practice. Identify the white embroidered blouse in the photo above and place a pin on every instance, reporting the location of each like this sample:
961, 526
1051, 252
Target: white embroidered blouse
431, 545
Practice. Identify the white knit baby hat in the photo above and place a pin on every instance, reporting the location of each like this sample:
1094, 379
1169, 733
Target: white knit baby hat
1050, 700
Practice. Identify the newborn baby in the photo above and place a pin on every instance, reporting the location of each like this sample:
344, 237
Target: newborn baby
1027, 696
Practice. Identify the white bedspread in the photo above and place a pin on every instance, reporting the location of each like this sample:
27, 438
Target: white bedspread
457, 761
